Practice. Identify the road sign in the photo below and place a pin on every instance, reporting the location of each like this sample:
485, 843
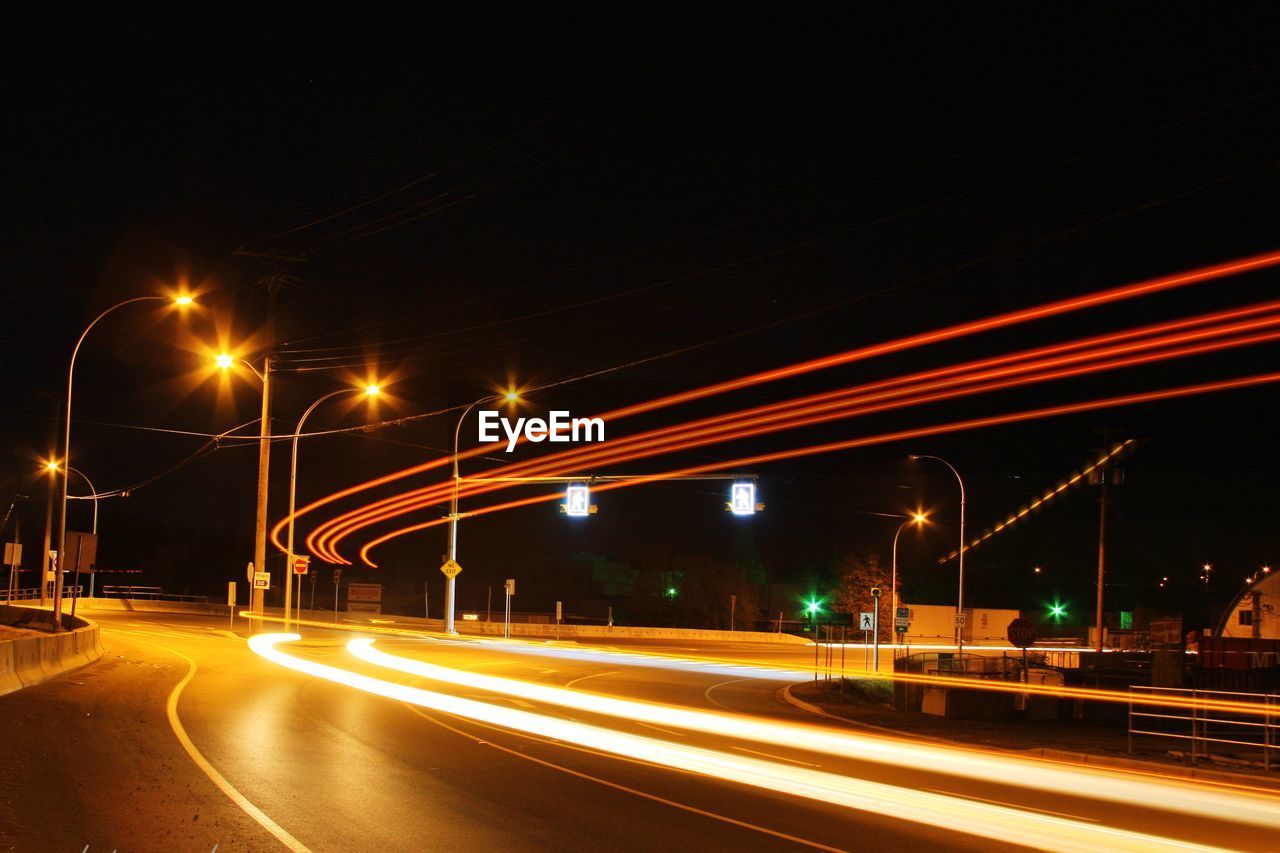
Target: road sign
875, 592
12, 553
1021, 633
866, 621
82, 552
365, 593
902, 620
248, 572
959, 620
559, 611
337, 576
301, 562
262, 580
450, 569
231, 593
511, 586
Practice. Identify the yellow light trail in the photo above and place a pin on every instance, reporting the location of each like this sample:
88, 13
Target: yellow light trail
803, 669
1028, 773
953, 814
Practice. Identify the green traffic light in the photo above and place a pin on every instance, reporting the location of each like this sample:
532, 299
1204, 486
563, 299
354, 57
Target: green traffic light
813, 607
671, 592
1057, 611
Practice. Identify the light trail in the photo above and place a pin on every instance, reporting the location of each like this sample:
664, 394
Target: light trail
769, 670
953, 814
325, 536
868, 441
965, 763
1065, 306
836, 405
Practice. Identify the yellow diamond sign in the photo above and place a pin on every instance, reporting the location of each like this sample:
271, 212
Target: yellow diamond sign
450, 569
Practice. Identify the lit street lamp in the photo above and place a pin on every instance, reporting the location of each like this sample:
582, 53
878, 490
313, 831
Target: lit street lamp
960, 593
369, 391
181, 301
917, 519
510, 397
225, 361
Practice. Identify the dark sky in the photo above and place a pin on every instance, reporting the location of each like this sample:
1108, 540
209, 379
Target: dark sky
541, 195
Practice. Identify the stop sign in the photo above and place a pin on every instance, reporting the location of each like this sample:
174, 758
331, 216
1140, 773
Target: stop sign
1022, 633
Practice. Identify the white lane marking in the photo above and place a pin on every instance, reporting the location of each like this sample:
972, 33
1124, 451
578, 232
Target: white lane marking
171, 710
592, 675
661, 729
707, 693
775, 757
1022, 807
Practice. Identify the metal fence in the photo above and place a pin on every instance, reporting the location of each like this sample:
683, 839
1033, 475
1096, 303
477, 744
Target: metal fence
1204, 727
33, 594
148, 593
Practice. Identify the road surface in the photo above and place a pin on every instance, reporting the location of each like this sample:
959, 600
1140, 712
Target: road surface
185, 738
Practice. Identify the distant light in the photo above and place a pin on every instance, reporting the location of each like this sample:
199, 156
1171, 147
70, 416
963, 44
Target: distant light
512, 397
742, 498
183, 300
52, 465
372, 390
672, 592
918, 518
224, 360
1266, 570
577, 500
813, 606
1037, 570
1057, 611
1208, 567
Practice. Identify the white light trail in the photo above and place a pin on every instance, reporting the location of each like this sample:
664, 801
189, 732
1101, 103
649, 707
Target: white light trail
1168, 795
953, 814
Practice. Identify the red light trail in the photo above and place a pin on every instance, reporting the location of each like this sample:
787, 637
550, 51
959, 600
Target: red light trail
841, 404
1057, 308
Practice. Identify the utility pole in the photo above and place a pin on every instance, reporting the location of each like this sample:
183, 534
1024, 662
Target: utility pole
48, 535
1102, 555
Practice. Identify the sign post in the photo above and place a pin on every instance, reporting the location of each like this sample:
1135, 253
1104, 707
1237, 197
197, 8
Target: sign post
231, 605
559, 617
510, 587
337, 582
875, 628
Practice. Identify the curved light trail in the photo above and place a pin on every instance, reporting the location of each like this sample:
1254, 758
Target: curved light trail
1155, 285
838, 405
955, 814
1168, 794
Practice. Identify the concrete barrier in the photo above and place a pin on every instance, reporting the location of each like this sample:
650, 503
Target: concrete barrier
29, 660
140, 605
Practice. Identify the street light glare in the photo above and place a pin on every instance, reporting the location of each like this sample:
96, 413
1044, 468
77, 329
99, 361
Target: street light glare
512, 397
183, 300
224, 360
372, 390
52, 465
919, 518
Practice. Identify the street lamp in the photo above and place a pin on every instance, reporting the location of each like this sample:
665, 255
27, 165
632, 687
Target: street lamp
225, 361
917, 519
510, 397
369, 391
182, 300
960, 593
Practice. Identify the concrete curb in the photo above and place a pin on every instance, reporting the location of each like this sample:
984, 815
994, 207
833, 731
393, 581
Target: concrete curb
1109, 762
28, 661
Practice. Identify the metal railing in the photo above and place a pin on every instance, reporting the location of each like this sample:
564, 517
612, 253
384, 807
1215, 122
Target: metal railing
33, 594
148, 593
1205, 726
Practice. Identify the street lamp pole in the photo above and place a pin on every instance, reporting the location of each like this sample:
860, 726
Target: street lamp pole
66, 444
371, 390
918, 518
960, 593
453, 505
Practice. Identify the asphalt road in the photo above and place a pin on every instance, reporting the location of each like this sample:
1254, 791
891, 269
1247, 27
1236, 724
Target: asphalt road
278, 757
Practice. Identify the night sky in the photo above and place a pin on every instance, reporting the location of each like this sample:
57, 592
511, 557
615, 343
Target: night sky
530, 197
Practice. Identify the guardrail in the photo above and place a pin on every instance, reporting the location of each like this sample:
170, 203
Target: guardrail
1203, 727
33, 594
148, 593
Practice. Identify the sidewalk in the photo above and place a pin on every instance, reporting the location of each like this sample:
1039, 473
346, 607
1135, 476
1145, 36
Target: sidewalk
1079, 742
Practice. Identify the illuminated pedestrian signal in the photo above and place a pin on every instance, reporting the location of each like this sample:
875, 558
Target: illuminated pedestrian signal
577, 500
742, 498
